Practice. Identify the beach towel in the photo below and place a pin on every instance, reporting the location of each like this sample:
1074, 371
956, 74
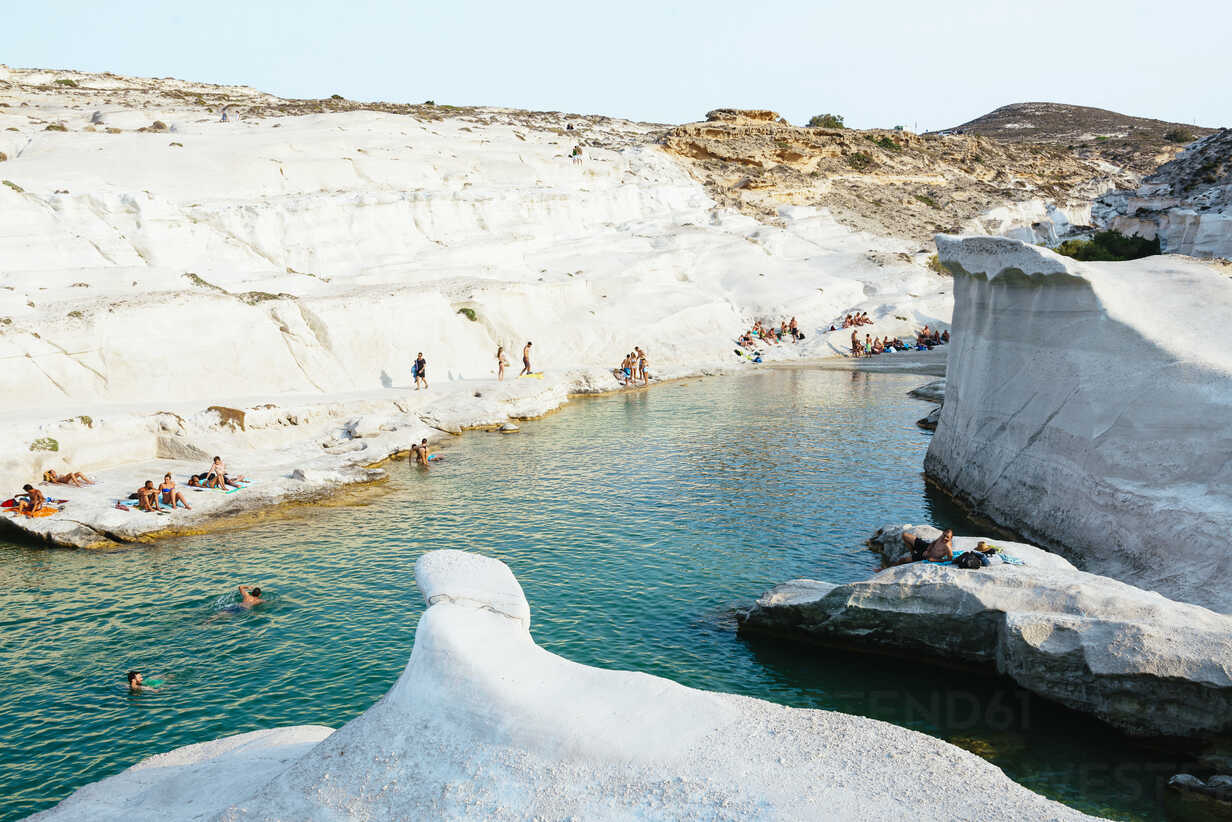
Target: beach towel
134, 505
43, 512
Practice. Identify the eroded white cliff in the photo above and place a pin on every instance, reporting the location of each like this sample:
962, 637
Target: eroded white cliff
1089, 406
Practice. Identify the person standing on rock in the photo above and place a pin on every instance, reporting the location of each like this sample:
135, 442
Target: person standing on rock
525, 359
420, 371
501, 362
856, 348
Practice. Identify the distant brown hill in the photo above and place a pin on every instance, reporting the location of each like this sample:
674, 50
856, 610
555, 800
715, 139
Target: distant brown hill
1139, 144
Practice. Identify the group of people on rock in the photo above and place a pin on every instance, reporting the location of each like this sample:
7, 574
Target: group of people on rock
853, 320
770, 334
149, 497
31, 500
633, 367
870, 345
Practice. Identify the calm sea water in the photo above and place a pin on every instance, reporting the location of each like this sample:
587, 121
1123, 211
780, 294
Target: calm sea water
636, 525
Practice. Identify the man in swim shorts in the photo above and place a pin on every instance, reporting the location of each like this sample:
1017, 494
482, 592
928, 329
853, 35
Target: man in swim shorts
35, 502
939, 550
251, 597
525, 359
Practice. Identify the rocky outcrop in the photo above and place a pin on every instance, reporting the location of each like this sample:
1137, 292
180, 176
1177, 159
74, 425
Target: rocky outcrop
885, 181
1089, 407
1142, 663
484, 724
1186, 203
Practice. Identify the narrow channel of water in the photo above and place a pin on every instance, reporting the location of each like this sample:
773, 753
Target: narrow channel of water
636, 524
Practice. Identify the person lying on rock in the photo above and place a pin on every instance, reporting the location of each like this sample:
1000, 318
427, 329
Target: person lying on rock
34, 500
147, 497
72, 478
939, 550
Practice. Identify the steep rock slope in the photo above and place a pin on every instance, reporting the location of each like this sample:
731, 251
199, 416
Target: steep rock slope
1087, 408
1187, 202
484, 724
888, 182
1138, 144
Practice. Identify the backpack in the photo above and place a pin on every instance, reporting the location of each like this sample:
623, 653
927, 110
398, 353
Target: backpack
969, 560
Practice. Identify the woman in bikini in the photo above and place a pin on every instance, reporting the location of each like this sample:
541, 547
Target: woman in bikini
170, 494
72, 478
501, 362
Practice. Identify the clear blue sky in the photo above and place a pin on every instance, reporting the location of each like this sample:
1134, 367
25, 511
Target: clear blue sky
877, 62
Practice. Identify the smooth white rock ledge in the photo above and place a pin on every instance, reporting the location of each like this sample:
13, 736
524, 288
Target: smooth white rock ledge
484, 724
1142, 663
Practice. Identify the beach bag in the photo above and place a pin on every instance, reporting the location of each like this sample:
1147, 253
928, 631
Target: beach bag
969, 560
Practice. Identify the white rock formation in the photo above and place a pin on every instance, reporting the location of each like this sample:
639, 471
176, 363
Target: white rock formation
1088, 406
305, 260
1137, 660
484, 724
1186, 202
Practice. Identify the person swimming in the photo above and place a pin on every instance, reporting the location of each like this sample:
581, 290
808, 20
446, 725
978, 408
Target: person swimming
250, 597
138, 683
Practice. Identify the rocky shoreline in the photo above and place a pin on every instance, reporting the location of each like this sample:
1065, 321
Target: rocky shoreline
1149, 666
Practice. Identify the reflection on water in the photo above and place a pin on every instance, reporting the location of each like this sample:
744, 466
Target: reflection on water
636, 525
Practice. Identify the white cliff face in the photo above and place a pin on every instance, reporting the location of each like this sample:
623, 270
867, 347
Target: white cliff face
1089, 406
246, 262
484, 724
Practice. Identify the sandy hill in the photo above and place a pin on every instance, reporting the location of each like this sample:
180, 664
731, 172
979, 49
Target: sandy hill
1139, 144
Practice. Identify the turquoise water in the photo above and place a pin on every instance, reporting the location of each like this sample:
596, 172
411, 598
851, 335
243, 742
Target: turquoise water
636, 525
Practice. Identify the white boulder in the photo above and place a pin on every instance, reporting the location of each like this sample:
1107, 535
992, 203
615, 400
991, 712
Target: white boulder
1148, 665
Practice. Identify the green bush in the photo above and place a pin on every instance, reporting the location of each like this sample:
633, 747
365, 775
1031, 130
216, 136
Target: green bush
886, 143
469, 313
860, 161
44, 444
1109, 246
826, 121
934, 264
926, 200
13, 186
67, 83
1179, 135
56, 127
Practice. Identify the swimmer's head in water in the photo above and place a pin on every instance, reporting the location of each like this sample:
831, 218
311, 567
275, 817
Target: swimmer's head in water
134, 678
256, 592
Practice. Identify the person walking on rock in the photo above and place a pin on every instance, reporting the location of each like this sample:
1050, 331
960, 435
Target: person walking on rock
501, 362
525, 359
420, 371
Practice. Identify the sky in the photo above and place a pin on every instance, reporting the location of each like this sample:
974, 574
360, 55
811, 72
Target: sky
878, 63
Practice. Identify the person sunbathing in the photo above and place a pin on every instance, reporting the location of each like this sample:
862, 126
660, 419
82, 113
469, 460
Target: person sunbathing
878, 348
170, 494
939, 550
75, 478
35, 500
147, 497
945, 336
